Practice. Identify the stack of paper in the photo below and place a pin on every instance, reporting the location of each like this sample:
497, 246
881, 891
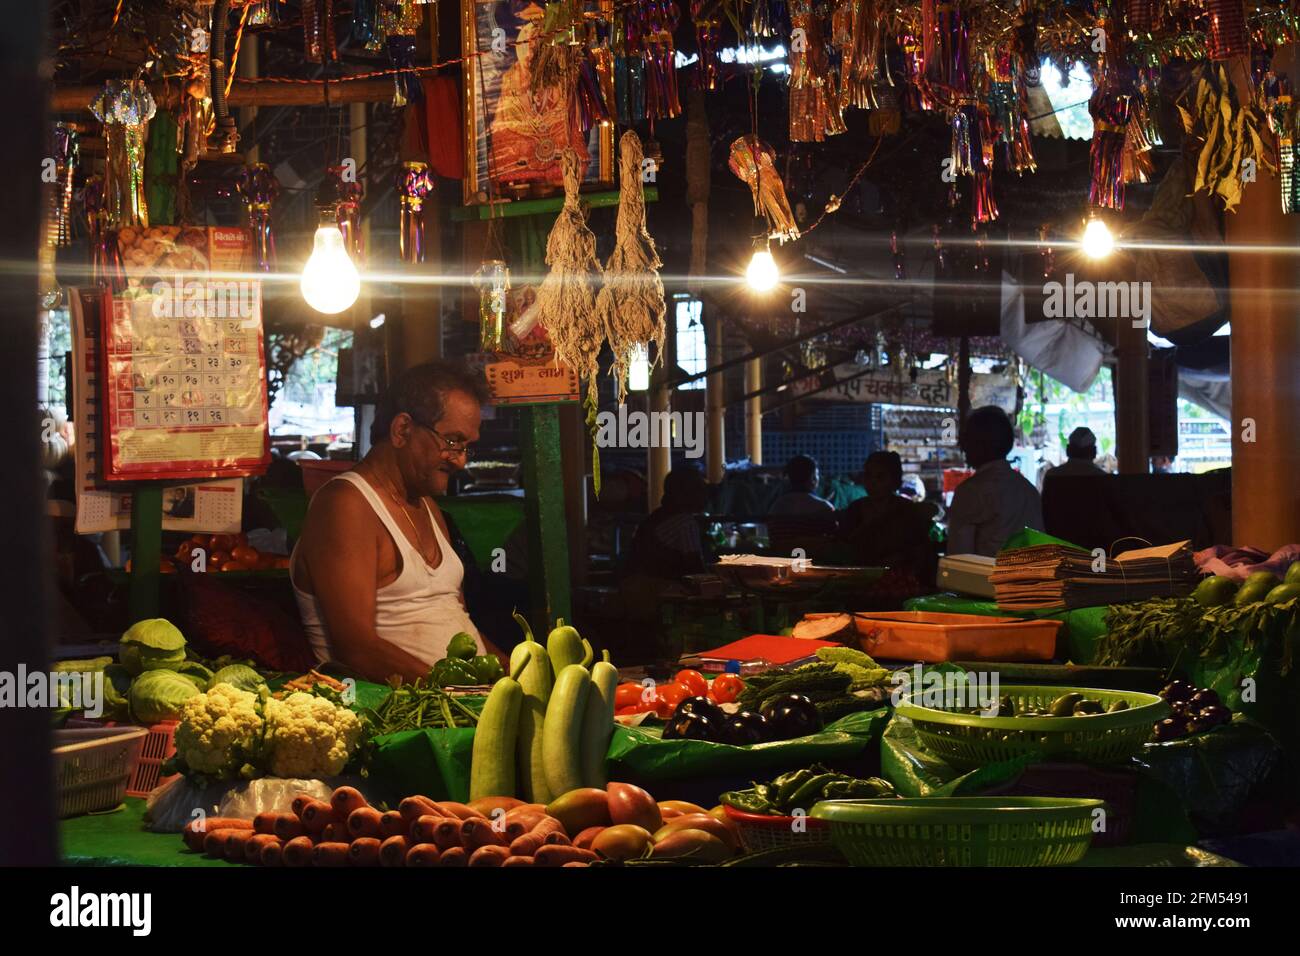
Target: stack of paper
1053, 575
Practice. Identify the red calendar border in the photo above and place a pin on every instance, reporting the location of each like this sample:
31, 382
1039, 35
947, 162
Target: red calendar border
115, 471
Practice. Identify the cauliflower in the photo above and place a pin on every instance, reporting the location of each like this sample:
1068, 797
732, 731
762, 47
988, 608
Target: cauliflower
309, 737
218, 731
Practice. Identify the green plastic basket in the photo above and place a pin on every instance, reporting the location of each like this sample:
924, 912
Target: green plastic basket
971, 740
960, 831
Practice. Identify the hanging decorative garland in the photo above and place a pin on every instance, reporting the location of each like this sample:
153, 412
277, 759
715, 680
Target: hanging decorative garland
125, 108
413, 184
258, 187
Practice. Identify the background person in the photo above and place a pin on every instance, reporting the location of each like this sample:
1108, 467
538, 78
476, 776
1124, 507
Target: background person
885, 529
1080, 455
804, 477
995, 502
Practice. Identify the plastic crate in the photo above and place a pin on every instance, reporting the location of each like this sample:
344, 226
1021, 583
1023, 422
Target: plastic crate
960, 831
759, 831
158, 746
92, 766
935, 637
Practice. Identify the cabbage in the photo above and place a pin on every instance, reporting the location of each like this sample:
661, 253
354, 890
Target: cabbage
151, 644
240, 676
159, 695
196, 672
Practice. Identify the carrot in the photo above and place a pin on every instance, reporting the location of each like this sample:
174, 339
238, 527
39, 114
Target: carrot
287, 826
272, 854
479, 833
234, 848
196, 830
300, 804
364, 851
555, 855
214, 844
575, 863
452, 809
522, 823
254, 844
486, 805
422, 829
491, 855
547, 825
344, 800
558, 838
412, 808
316, 815
365, 822
455, 856
297, 852
424, 854
392, 852
265, 821
518, 861
583, 839
329, 854
526, 845
391, 824
447, 834
333, 833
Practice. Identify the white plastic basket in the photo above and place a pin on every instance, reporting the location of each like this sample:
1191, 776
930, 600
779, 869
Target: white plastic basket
92, 766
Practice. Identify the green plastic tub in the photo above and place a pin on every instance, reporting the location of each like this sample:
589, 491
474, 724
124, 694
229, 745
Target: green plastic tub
968, 741
961, 831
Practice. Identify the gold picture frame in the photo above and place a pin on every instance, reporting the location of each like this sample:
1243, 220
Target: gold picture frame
513, 143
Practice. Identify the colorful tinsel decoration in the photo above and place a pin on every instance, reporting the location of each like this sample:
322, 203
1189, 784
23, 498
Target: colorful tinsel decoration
125, 108
754, 162
645, 61
1226, 34
258, 187
58, 233
349, 192
1110, 116
815, 110
105, 258
318, 42
413, 184
708, 37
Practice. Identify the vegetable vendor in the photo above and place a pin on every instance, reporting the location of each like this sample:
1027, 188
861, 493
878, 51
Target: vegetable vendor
378, 585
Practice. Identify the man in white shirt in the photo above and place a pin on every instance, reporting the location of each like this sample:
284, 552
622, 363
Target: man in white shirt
1080, 451
995, 502
802, 499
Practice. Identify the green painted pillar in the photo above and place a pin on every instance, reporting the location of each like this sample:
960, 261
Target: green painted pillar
548, 545
146, 551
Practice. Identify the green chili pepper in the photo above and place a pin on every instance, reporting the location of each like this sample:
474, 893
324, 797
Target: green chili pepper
807, 790
787, 784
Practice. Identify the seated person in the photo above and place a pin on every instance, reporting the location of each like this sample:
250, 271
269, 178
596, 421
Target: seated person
995, 502
667, 545
1080, 452
885, 529
799, 519
378, 583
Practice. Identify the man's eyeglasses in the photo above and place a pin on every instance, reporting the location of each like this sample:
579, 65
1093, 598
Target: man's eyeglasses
450, 449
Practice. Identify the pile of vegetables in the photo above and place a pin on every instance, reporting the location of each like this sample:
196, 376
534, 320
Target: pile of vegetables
842, 681
422, 703
1195, 709
618, 823
229, 733
662, 699
545, 728
464, 666
801, 789
783, 717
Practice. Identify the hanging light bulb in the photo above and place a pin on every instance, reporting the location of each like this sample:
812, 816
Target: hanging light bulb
638, 369
1097, 241
762, 273
330, 282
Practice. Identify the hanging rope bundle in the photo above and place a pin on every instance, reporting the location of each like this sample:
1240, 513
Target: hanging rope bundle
566, 299
630, 305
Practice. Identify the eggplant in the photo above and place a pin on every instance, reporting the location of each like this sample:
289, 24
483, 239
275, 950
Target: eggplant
1205, 698
746, 728
693, 727
700, 705
1178, 690
790, 716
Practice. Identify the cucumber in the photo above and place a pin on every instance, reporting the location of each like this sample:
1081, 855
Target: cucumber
564, 645
598, 723
492, 759
562, 730
536, 682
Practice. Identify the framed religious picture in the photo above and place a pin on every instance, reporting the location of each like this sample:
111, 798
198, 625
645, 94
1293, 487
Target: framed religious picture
515, 128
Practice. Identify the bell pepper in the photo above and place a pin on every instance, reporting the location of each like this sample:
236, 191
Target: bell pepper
487, 668
453, 672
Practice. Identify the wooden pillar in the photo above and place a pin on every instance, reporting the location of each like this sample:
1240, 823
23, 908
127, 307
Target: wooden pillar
659, 459
1132, 405
715, 438
1264, 300
754, 411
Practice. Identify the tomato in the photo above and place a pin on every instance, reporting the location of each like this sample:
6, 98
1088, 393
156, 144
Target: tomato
726, 688
694, 680
221, 542
627, 712
668, 696
628, 695
233, 565
216, 559
244, 555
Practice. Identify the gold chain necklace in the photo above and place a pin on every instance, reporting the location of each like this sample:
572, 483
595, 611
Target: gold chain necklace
402, 507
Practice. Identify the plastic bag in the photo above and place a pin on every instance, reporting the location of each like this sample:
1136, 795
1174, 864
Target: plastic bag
174, 804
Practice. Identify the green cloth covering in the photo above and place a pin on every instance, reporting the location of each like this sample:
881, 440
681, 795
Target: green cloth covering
433, 762
484, 521
1077, 641
118, 838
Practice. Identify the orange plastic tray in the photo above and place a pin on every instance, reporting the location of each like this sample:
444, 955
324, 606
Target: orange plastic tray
934, 637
